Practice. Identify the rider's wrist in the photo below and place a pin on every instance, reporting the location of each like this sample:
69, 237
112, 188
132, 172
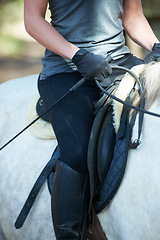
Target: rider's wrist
79, 55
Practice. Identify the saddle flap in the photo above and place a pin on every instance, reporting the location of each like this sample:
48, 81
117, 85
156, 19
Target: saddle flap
106, 143
97, 169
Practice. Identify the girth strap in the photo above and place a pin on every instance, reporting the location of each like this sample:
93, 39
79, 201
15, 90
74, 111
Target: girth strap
137, 141
36, 188
95, 230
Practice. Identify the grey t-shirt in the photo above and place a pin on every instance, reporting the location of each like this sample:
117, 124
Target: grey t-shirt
95, 25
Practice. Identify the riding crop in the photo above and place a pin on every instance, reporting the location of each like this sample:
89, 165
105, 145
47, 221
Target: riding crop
77, 85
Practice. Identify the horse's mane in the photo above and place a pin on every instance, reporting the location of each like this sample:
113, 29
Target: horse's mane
151, 82
149, 76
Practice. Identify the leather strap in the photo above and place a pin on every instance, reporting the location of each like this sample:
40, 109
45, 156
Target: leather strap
50, 166
95, 231
137, 141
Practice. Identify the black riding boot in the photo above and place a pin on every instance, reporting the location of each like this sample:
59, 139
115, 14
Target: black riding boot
69, 203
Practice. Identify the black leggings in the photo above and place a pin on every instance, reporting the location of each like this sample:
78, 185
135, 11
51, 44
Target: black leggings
72, 118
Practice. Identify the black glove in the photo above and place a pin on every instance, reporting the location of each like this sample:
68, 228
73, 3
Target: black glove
154, 55
91, 66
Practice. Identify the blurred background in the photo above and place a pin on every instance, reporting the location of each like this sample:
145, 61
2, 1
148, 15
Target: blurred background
20, 55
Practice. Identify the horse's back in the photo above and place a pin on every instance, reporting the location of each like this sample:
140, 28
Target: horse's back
15, 96
21, 163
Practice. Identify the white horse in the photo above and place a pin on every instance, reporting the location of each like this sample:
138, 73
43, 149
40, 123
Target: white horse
134, 212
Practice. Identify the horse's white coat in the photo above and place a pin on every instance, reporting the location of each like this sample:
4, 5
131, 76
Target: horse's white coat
21, 163
134, 212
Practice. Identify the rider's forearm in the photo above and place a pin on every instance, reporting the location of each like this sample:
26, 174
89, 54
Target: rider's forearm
141, 33
47, 36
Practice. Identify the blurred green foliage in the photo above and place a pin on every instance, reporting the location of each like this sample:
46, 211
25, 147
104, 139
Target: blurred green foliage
11, 11
9, 1
11, 46
151, 8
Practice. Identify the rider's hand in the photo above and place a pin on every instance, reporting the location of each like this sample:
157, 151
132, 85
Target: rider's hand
154, 55
91, 66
